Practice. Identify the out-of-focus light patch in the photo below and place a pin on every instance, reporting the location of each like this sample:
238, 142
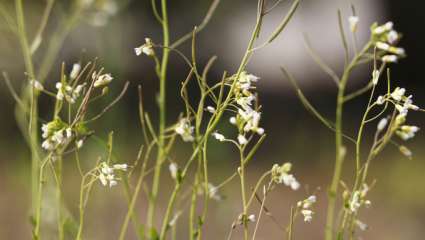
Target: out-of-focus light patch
318, 20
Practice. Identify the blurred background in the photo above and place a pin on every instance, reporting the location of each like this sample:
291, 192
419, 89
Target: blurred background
398, 209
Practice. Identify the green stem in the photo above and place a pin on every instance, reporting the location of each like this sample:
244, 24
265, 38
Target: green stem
339, 158
162, 116
243, 193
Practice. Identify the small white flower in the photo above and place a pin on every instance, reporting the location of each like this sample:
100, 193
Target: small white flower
383, 46
362, 226
398, 93
308, 202
173, 168
213, 192
252, 218
355, 202
232, 120
389, 58
353, 21
102, 179
375, 77
210, 109
122, 167
392, 37
383, 28
48, 145
68, 132
242, 140
382, 124
146, 48
106, 173
405, 151
308, 215
398, 51
380, 100
37, 85
75, 71
184, 129
103, 80
79, 143
407, 132
290, 181
219, 137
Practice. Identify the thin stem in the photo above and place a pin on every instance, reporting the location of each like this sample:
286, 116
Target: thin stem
162, 115
339, 158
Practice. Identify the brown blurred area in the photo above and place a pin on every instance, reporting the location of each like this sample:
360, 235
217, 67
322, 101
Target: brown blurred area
398, 198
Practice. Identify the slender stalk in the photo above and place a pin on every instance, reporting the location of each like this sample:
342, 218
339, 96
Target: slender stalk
243, 193
31, 96
162, 115
339, 158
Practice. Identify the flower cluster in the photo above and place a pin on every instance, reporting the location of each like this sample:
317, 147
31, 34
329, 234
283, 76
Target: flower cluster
185, 130
55, 134
247, 118
67, 92
385, 39
402, 104
358, 199
107, 173
146, 48
306, 207
280, 174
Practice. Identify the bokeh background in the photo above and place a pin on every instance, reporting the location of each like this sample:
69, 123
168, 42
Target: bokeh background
398, 210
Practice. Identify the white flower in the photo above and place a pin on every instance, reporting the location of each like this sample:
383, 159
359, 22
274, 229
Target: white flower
308, 215
383, 28
58, 137
219, 136
380, 100
146, 48
79, 143
407, 132
122, 167
173, 168
290, 181
103, 80
405, 151
60, 95
362, 226
398, 51
353, 21
375, 77
213, 192
382, 124
389, 58
75, 71
383, 46
106, 173
102, 179
184, 129
68, 132
48, 145
398, 93
252, 218
37, 85
392, 37
232, 120
355, 202
242, 140
210, 109
308, 202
